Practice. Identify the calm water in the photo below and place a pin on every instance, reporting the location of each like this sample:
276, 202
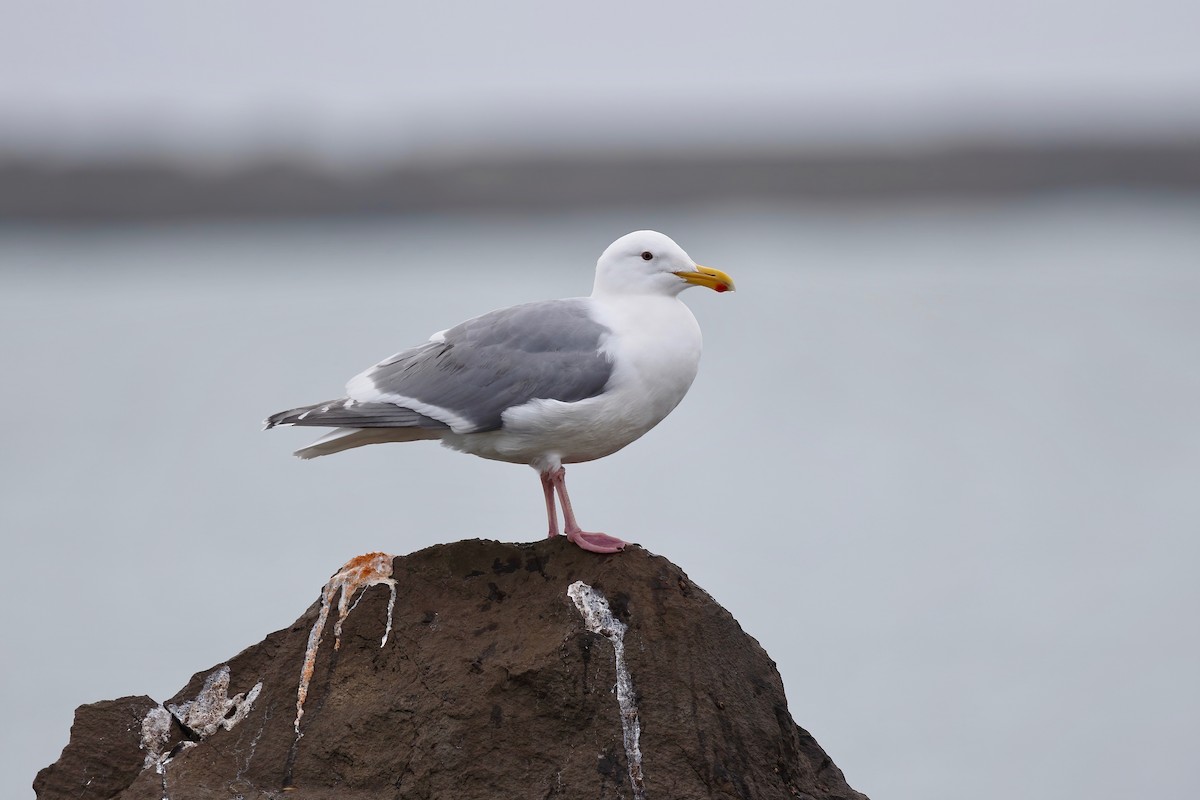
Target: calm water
955, 452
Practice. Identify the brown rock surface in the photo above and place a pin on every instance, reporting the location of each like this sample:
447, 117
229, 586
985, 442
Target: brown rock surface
103, 756
490, 685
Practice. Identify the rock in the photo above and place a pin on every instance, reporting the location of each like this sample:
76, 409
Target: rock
104, 753
509, 671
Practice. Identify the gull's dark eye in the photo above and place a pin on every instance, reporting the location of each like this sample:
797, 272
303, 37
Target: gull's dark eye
647, 255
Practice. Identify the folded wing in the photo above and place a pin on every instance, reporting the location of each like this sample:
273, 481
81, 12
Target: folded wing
468, 376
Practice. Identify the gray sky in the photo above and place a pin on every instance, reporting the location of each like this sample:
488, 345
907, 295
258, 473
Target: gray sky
347, 79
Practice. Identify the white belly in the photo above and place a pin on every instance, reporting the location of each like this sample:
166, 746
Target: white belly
655, 347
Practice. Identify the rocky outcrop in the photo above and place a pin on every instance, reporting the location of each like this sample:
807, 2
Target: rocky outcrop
505, 671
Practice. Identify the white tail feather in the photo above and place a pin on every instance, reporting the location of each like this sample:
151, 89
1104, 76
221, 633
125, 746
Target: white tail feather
341, 439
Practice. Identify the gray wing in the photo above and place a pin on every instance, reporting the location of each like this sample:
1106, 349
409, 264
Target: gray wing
475, 371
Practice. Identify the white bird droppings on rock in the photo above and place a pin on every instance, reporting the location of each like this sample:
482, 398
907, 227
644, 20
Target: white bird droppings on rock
598, 617
358, 573
213, 708
156, 730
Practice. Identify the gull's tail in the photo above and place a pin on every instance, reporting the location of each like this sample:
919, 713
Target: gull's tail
358, 424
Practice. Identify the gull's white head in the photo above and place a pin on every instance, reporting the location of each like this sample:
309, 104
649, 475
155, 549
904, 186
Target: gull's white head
648, 262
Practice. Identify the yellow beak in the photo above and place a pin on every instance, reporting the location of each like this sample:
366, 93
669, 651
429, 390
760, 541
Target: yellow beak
707, 276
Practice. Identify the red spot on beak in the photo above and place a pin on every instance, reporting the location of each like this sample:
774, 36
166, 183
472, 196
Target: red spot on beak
720, 287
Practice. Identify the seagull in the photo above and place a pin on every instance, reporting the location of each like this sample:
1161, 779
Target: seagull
546, 383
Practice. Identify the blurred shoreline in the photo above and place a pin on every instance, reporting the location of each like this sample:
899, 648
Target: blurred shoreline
44, 189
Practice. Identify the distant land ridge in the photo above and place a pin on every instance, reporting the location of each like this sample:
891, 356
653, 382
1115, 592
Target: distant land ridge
153, 190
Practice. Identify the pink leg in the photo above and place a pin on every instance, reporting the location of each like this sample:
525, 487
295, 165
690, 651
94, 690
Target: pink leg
551, 511
593, 542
